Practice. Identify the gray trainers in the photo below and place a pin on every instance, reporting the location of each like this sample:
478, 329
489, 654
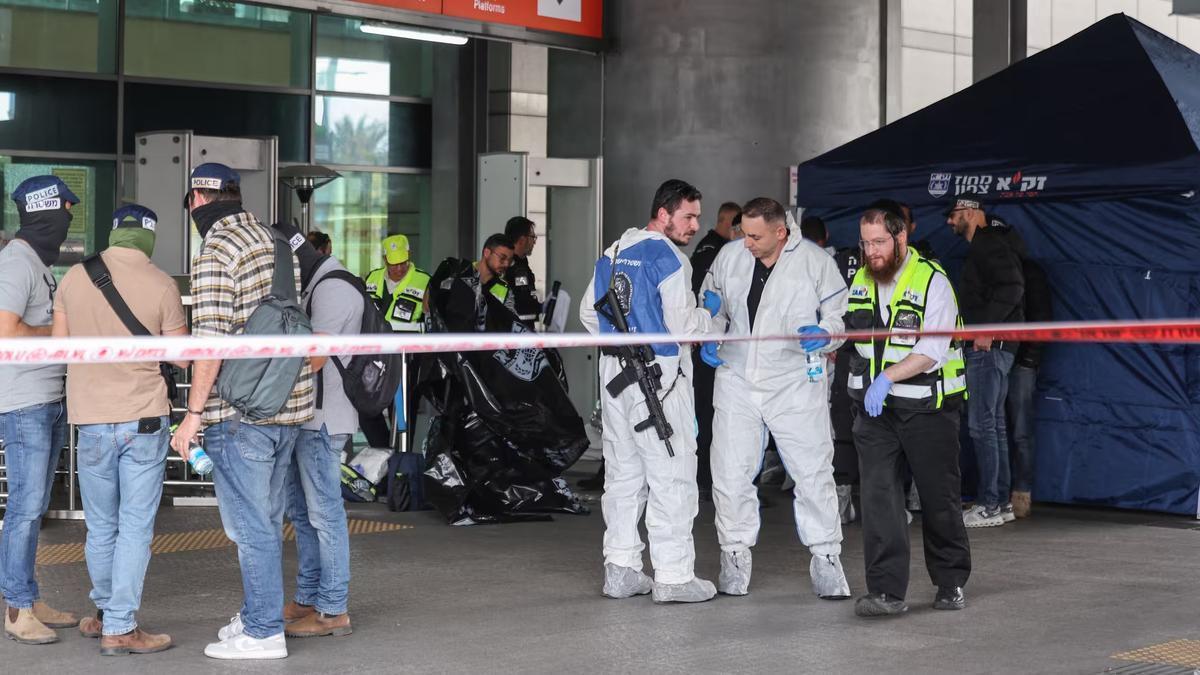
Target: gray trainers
1006, 513
980, 516
735, 572
846, 504
625, 582
696, 590
828, 577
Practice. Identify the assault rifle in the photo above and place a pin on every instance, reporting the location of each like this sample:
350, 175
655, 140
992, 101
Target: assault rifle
638, 366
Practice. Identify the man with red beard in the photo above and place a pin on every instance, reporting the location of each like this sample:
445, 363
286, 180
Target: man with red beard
911, 387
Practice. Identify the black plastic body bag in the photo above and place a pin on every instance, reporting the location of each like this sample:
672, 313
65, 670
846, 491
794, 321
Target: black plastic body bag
504, 429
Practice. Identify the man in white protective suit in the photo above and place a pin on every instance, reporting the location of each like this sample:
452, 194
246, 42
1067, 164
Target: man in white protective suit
651, 280
776, 283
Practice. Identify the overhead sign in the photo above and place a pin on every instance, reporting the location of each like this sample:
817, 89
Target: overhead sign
574, 17
429, 6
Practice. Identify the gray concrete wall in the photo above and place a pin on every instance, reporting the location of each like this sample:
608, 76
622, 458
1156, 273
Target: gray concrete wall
726, 95
576, 105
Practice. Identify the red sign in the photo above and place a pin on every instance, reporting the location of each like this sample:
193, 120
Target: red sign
577, 17
428, 6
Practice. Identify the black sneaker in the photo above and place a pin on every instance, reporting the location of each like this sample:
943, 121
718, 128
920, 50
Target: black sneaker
879, 604
950, 597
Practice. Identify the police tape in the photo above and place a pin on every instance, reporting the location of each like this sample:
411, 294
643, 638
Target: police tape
91, 350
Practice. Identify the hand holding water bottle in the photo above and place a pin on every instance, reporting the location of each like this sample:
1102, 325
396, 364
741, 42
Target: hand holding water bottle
199, 459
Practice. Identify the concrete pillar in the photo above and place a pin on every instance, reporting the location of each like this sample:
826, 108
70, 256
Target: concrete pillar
576, 115
999, 30
518, 93
728, 95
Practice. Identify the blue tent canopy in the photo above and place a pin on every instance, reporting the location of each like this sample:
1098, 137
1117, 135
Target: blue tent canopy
1091, 149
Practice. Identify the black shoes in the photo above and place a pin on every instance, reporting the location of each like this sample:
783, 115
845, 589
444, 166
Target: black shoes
879, 604
950, 597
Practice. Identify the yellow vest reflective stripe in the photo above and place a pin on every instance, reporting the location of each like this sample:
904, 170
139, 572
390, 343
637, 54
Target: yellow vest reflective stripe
906, 312
406, 307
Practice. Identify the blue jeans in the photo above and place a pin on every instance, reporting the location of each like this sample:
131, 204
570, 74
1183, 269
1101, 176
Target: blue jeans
33, 440
121, 481
318, 514
987, 386
250, 464
1022, 383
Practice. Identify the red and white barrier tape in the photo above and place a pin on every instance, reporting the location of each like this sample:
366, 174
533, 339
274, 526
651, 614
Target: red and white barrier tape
133, 349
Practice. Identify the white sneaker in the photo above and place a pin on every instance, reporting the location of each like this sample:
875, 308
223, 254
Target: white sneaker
234, 627
979, 516
242, 647
1006, 513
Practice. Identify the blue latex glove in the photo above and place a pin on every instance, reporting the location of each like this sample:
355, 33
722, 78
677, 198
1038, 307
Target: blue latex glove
708, 354
876, 393
814, 338
712, 302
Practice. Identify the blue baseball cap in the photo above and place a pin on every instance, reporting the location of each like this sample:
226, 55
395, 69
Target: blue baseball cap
42, 193
135, 215
210, 176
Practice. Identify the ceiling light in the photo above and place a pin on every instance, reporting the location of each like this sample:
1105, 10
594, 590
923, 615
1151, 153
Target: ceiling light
413, 34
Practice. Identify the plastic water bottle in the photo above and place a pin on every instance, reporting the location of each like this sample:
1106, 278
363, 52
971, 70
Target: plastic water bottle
200, 461
816, 369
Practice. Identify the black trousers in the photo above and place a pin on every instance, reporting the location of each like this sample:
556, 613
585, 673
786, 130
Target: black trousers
928, 444
841, 410
704, 379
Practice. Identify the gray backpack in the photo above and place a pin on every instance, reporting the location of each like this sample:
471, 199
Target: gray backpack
259, 388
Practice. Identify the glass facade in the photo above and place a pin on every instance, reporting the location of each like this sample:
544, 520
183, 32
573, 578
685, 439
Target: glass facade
1052, 21
358, 103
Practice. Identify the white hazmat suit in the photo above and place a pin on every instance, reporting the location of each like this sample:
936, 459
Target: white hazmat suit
763, 387
654, 284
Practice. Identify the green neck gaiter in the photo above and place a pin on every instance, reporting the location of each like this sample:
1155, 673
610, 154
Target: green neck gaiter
133, 237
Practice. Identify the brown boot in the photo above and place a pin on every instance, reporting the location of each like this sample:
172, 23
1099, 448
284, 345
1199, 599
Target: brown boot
92, 626
317, 624
136, 641
52, 617
22, 626
1022, 504
294, 611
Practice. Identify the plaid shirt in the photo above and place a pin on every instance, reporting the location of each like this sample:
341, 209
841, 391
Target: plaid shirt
230, 277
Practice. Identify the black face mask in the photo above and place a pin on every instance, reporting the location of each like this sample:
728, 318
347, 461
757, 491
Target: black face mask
206, 216
45, 232
310, 259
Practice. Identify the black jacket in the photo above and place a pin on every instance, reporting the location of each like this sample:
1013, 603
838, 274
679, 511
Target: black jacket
521, 282
703, 257
993, 282
1037, 304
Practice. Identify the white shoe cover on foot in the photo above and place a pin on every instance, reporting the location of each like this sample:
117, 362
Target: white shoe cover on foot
625, 582
828, 577
696, 590
735, 572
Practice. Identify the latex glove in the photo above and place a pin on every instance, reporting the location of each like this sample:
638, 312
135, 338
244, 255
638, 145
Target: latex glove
712, 302
814, 338
708, 354
876, 393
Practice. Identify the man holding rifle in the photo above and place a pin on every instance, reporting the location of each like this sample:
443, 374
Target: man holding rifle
642, 285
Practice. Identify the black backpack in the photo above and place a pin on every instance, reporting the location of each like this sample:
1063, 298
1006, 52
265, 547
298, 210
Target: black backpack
369, 380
